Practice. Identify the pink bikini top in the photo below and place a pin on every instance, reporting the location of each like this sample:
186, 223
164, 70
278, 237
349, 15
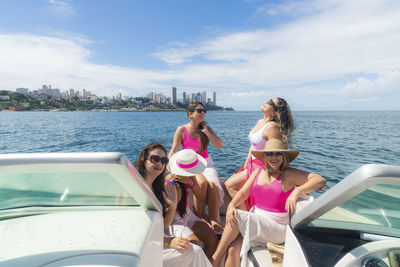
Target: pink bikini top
270, 197
193, 143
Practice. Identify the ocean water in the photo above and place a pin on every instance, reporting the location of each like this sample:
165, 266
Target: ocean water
333, 144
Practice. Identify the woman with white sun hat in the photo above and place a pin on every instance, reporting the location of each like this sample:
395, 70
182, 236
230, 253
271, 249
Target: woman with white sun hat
183, 167
177, 251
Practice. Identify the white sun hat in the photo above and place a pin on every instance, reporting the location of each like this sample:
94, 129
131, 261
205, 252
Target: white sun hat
187, 163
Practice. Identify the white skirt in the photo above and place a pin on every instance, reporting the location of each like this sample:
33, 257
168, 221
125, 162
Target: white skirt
179, 226
211, 175
193, 257
258, 227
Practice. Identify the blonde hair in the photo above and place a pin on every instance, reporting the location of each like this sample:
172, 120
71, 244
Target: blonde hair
284, 120
285, 165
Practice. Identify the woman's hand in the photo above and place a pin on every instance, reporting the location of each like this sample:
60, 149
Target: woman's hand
180, 243
246, 163
231, 215
204, 126
170, 195
216, 226
190, 180
292, 200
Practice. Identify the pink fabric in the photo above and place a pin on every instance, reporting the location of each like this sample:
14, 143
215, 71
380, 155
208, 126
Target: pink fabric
253, 164
187, 166
270, 197
193, 143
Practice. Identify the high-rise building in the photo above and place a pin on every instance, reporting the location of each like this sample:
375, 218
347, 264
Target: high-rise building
151, 96
215, 98
204, 97
23, 91
184, 97
173, 95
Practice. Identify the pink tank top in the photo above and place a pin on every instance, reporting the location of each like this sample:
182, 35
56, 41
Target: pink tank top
270, 197
193, 143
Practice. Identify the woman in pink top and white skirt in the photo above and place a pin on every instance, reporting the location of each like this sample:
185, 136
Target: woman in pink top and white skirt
196, 135
275, 189
277, 123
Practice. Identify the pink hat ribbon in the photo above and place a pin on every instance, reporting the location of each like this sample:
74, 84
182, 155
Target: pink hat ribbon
187, 166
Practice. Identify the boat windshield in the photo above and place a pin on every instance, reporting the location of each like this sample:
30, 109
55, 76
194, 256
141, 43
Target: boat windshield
375, 210
64, 184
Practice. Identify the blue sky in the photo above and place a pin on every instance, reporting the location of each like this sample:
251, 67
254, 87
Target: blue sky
319, 55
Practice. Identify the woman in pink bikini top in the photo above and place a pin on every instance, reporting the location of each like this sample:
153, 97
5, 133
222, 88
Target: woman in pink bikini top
196, 135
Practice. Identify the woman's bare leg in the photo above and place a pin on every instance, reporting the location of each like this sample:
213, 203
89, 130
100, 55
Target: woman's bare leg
235, 182
198, 202
230, 234
213, 206
233, 253
194, 239
203, 231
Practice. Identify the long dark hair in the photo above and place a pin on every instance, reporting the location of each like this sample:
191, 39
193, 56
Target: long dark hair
158, 183
284, 120
181, 207
203, 137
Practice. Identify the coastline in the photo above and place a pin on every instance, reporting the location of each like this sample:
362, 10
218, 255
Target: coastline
19, 102
107, 110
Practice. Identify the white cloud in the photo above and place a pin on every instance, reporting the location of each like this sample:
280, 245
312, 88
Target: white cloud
30, 61
388, 83
173, 54
61, 8
335, 41
289, 8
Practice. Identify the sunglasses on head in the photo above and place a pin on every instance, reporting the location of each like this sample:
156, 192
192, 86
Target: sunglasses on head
270, 154
271, 102
200, 110
155, 159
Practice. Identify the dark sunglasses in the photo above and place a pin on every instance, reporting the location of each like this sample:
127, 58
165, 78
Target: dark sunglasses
200, 110
271, 102
155, 159
277, 154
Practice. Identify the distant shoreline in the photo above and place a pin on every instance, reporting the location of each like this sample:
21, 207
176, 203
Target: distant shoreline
106, 110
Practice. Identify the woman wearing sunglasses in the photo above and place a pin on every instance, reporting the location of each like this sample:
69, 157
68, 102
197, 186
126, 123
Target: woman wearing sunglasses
275, 189
196, 135
277, 123
178, 250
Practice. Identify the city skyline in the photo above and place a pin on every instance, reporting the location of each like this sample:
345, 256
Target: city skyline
318, 55
46, 91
